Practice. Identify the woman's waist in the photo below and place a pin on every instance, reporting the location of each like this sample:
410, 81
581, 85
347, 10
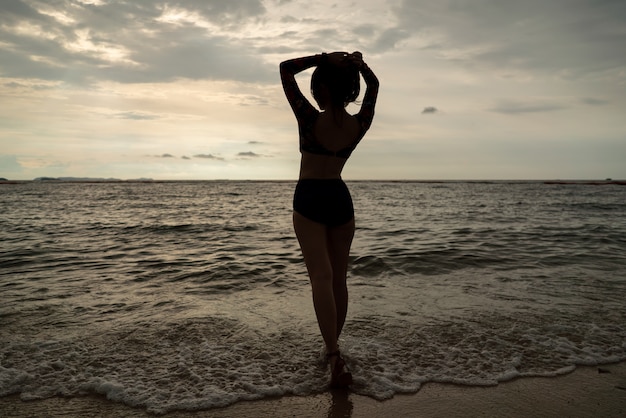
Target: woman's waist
324, 189
320, 174
320, 167
321, 181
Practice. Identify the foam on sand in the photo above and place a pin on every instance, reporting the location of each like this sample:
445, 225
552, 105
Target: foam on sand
588, 391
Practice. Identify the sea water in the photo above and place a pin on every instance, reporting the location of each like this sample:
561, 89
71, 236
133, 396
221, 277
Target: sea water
193, 295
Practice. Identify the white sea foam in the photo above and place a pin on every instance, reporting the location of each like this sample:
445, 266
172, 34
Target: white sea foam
165, 367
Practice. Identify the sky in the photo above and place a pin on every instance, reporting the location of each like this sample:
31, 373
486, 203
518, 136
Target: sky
189, 89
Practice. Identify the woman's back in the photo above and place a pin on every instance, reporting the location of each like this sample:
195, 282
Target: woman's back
335, 135
328, 138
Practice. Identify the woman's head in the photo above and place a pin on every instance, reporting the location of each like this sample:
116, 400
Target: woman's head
335, 85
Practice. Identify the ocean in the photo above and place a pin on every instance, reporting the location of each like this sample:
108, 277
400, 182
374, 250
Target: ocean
193, 295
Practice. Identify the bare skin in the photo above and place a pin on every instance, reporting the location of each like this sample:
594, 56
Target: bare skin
326, 249
326, 253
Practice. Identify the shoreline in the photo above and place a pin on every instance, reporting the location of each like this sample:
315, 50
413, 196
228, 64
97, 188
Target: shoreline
585, 392
70, 180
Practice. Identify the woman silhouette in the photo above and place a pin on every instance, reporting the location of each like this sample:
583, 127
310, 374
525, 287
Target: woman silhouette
323, 216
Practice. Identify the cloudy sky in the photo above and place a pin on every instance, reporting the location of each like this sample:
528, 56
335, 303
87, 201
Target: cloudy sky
189, 89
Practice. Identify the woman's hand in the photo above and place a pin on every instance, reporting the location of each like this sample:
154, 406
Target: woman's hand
337, 59
357, 59
344, 59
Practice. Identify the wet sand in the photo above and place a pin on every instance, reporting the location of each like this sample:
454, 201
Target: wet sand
587, 392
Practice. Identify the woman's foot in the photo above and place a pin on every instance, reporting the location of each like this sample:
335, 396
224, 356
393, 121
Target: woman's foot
340, 376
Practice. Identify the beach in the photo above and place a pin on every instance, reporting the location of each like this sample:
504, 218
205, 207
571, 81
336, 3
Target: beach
586, 392
167, 298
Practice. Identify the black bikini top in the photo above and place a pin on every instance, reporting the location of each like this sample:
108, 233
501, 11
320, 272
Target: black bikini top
309, 143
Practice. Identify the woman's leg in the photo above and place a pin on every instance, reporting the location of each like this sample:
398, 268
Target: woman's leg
313, 239
339, 243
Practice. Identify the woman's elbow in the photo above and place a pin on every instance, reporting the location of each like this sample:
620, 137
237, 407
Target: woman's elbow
374, 82
284, 67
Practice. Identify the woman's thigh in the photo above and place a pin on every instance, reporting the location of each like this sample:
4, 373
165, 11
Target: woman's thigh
313, 239
339, 242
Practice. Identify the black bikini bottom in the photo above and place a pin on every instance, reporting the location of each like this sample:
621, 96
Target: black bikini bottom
326, 201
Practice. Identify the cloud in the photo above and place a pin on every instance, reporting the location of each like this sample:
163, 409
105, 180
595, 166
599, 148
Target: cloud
30, 85
365, 29
429, 109
19, 9
572, 40
251, 100
593, 101
249, 154
218, 10
135, 116
208, 157
203, 58
388, 39
199, 156
512, 107
138, 41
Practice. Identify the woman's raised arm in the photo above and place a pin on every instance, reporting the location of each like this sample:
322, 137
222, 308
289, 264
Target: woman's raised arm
288, 70
366, 114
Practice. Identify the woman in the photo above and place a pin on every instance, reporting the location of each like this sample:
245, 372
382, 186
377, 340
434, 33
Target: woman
323, 216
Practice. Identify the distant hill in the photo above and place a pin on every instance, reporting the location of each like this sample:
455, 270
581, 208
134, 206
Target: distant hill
87, 179
74, 179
